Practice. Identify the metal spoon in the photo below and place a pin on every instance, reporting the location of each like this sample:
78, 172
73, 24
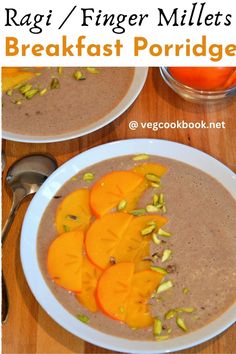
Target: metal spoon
24, 178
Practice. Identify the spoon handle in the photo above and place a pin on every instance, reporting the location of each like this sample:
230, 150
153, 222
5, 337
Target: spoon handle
18, 195
5, 300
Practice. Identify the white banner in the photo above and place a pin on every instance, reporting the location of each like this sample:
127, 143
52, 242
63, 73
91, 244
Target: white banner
105, 33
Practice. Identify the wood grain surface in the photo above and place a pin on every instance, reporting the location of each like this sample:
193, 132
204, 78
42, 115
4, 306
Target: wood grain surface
29, 329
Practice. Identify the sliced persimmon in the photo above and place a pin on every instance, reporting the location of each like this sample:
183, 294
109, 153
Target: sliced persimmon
133, 246
64, 260
90, 276
73, 212
103, 237
118, 236
149, 167
137, 309
112, 188
13, 76
113, 290
123, 295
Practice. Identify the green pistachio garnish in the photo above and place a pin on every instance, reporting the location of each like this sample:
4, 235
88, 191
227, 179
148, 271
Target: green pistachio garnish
9, 93
181, 324
155, 185
122, 204
170, 314
161, 199
185, 309
165, 286
160, 338
38, 74
159, 269
153, 178
155, 199
25, 88
169, 330
83, 318
88, 177
164, 210
155, 239
122, 309
43, 91
166, 255
78, 75
148, 230
55, 84
185, 291
93, 70
164, 233
157, 327
31, 93
66, 228
138, 212
59, 70
18, 102
140, 157
152, 208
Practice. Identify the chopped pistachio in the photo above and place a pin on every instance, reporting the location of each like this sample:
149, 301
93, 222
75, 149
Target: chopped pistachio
181, 324
152, 222
161, 199
164, 233
148, 230
140, 157
164, 210
153, 178
164, 286
59, 70
25, 88
73, 179
66, 228
152, 208
92, 70
155, 199
83, 318
166, 255
88, 177
160, 338
185, 291
55, 84
9, 93
170, 314
78, 75
155, 185
43, 91
31, 93
157, 327
138, 212
185, 309
18, 102
169, 330
122, 204
38, 74
155, 239
159, 269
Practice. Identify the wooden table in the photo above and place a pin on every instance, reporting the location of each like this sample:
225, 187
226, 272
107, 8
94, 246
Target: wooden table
29, 329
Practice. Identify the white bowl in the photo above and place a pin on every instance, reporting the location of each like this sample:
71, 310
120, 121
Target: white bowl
140, 75
40, 202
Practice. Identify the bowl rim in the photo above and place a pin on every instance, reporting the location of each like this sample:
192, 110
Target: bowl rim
136, 86
28, 249
170, 78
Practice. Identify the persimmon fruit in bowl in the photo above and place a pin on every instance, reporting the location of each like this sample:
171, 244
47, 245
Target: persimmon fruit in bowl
201, 84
